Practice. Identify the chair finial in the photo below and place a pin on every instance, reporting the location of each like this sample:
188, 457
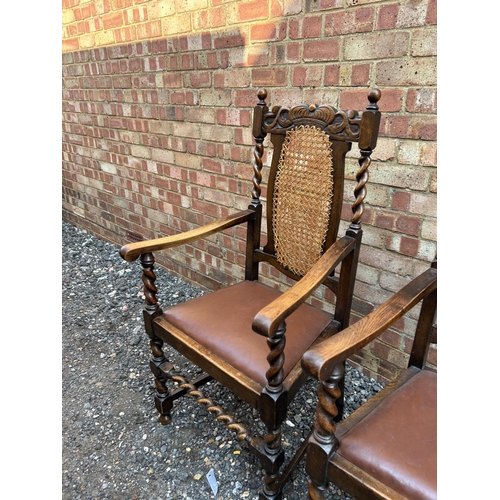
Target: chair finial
374, 96
262, 95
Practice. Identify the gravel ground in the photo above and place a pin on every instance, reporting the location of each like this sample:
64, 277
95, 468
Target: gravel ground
113, 446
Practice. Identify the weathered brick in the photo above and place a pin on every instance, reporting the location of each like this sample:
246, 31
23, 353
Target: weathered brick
221, 97
395, 126
423, 127
154, 64
318, 5
234, 38
216, 133
121, 4
421, 72
423, 203
291, 7
83, 12
384, 221
379, 259
332, 75
162, 155
286, 53
377, 196
135, 15
429, 230
285, 97
187, 61
140, 151
181, 5
412, 13
357, 99
206, 207
108, 167
174, 25
417, 153
310, 77
374, 294
321, 50
382, 45
360, 75
122, 82
305, 27
199, 115
367, 274
243, 136
387, 16
385, 150
232, 78
412, 247
233, 117
251, 10
394, 283
87, 41
268, 32
112, 20
433, 187
187, 130
321, 96
209, 18
431, 15
399, 176
349, 21
196, 41
172, 80
423, 100
407, 224
269, 77
424, 42
208, 60
257, 56
245, 98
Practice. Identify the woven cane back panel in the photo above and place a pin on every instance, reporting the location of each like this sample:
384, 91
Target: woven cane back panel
302, 198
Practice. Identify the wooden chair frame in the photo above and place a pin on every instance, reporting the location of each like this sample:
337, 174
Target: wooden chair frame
325, 362
272, 398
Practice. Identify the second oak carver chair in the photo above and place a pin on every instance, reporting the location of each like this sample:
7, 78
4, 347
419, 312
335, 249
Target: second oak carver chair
387, 448
249, 337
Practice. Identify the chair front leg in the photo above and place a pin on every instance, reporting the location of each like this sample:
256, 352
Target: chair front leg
158, 364
273, 412
323, 443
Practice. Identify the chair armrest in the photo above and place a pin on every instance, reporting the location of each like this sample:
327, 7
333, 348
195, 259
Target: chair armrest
320, 360
268, 319
132, 251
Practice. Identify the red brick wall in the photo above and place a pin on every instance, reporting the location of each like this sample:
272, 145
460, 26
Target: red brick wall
157, 107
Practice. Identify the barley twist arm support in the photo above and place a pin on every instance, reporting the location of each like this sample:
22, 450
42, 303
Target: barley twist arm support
326, 409
276, 359
148, 279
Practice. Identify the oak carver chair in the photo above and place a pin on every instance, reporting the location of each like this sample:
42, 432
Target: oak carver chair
387, 448
249, 337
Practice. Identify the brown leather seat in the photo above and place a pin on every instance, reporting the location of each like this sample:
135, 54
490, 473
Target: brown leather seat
397, 442
230, 335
